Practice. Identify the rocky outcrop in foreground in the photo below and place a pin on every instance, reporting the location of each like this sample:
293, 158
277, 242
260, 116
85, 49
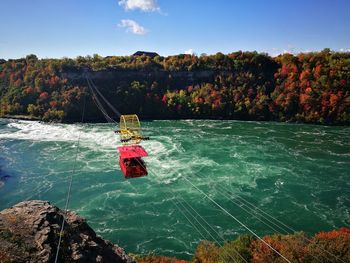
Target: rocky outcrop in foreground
29, 232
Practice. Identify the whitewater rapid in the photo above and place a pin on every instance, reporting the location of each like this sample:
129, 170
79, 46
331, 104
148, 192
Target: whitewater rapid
297, 173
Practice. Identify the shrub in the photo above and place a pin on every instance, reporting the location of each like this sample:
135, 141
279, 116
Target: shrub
206, 252
55, 115
333, 246
290, 246
237, 251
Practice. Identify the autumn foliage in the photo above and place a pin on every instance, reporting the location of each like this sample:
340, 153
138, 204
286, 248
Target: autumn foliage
326, 244
333, 246
309, 87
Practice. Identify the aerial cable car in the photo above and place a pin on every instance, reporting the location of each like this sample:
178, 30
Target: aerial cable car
130, 160
131, 153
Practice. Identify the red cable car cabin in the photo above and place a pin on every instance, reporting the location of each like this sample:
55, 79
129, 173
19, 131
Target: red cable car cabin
130, 161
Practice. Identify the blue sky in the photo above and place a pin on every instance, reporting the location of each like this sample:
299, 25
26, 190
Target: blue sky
68, 28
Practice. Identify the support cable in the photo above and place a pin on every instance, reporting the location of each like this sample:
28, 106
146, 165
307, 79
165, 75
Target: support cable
216, 232
194, 226
115, 111
271, 219
99, 104
255, 215
250, 211
200, 223
238, 221
70, 186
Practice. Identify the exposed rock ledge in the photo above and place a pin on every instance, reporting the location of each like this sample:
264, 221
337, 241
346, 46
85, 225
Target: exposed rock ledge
29, 232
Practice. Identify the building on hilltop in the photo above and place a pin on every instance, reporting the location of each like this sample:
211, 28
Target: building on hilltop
145, 53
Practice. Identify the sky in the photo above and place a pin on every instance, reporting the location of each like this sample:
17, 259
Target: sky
69, 28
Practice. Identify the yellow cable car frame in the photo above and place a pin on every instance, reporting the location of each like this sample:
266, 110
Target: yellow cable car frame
130, 129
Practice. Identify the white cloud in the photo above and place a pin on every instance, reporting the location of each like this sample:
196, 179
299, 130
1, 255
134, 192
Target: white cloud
344, 50
132, 26
143, 5
189, 52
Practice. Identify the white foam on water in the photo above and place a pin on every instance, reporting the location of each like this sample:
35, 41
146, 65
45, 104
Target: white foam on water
140, 246
99, 138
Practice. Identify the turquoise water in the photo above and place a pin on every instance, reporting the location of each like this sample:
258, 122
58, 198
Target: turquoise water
299, 174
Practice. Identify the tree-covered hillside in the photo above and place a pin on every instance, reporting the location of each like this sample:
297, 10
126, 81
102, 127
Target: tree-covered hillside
310, 87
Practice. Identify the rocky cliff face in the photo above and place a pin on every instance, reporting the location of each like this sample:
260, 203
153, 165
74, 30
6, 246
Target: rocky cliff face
186, 77
29, 232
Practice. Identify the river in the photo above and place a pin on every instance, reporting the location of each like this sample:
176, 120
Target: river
296, 173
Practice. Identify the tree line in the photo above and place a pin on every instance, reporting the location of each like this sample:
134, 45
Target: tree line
308, 87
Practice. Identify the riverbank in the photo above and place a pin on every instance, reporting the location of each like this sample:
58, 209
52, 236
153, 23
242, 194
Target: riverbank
21, 117
30, 232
